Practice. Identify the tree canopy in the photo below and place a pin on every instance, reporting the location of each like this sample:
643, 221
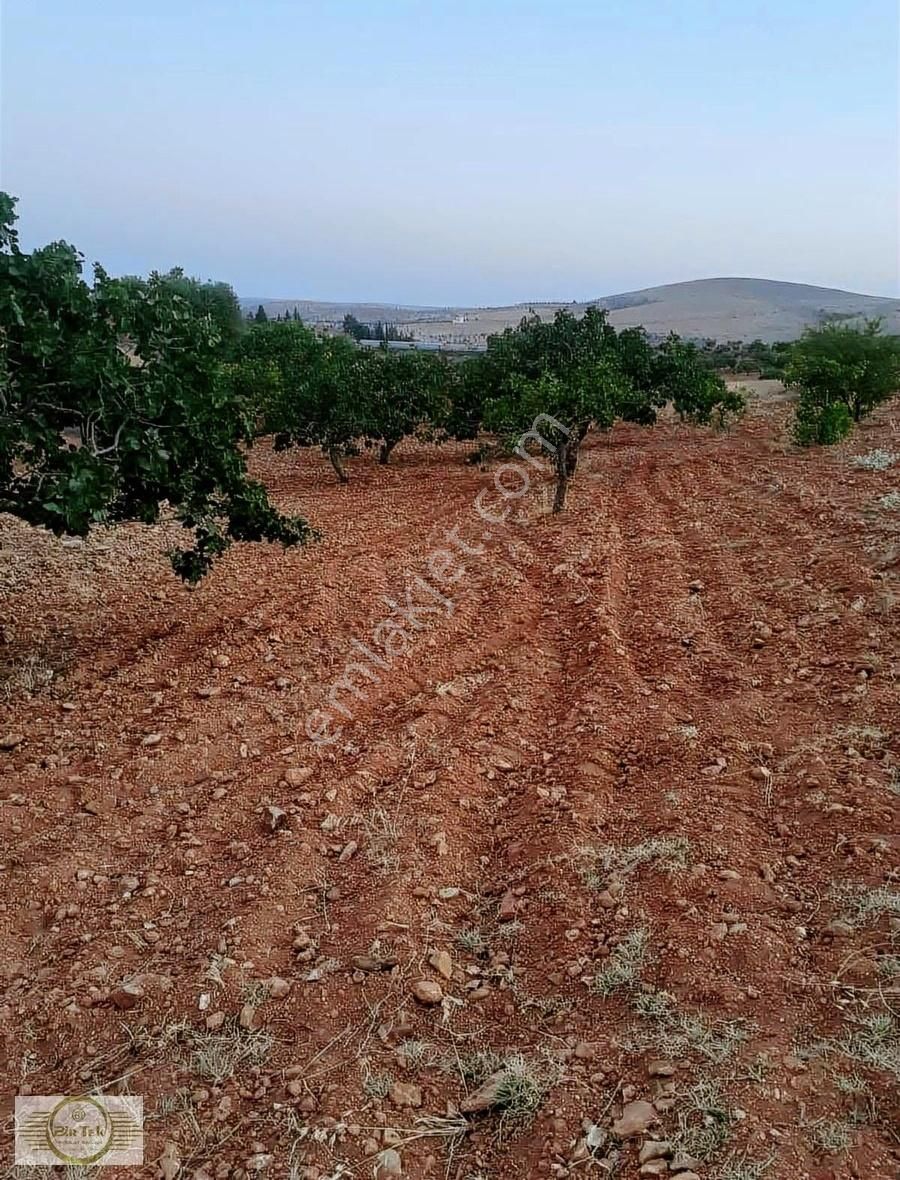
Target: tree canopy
583, 374
405, 395
843, 371
314, 392
113, 402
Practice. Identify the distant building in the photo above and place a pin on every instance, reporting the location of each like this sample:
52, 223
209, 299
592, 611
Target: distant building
421, 346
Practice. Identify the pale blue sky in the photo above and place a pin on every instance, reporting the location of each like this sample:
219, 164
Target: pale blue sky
476, 151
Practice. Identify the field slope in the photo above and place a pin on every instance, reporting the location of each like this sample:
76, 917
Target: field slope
618, 829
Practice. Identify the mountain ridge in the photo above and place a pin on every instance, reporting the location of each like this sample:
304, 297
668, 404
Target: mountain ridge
721, 307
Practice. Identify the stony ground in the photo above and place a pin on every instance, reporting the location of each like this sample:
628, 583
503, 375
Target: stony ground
600, 878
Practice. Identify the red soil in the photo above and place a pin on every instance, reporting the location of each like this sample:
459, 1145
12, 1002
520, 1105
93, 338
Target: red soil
705, 645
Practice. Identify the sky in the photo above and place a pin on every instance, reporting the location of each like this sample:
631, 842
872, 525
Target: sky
459, 151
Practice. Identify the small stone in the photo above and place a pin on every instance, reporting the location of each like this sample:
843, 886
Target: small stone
427, 992
485, 1096
127, 996
840, 929
442, 963
278, 987
276, 818
151, 739
369, 963
654, 1168
388, 1164
170, 1160
214, 1021
406, 1094
654, 1149
10, 740
296, 776
683, 1162
248, 1018
662, 1068
509, 906
636, 1118
258, 1162
348, 851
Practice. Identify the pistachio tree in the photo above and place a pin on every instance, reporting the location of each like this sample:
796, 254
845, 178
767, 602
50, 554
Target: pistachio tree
113, 403
582, 374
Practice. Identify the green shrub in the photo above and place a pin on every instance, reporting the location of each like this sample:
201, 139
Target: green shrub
842, 372
817, 423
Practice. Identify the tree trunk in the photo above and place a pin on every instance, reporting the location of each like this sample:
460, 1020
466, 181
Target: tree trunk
334, 455
572, 449
562, 477
384, 453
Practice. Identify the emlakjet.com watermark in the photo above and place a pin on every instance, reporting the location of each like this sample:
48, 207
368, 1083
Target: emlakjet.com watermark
429, 593
90, 1130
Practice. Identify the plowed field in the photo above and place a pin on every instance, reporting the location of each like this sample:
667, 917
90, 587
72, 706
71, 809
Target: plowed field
605, 852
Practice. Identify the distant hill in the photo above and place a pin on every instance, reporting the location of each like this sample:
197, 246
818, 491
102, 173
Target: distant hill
744, 309
723, 309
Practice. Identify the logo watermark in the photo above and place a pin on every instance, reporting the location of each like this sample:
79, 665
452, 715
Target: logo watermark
96, 1130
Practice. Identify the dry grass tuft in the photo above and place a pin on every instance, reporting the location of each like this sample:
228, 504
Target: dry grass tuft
704, 1120
875, 1042
602, 864
624, 965
831, 1136
218, 1056
25, 677
862, 906
876, 460
743, 1168
675, 1033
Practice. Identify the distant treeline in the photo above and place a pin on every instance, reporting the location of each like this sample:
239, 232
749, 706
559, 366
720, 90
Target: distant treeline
261, 316
738, 356
377, 331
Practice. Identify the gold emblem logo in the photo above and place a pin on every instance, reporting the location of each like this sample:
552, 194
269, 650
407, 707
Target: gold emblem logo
84, 1130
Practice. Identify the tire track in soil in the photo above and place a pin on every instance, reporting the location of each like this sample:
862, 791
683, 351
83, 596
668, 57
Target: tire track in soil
843, 570
660, 574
